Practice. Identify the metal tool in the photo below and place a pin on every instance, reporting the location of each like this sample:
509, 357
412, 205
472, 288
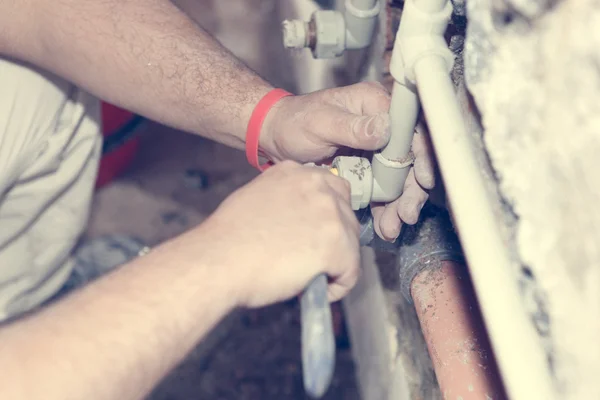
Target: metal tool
318, 340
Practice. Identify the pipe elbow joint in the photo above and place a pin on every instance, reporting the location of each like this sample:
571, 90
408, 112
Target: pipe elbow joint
360, 24
329, 33
420, 34
419, 247
381, 180
358, 172
425, 245
389, 177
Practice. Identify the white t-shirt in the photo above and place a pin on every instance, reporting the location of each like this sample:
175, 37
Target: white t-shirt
49, 152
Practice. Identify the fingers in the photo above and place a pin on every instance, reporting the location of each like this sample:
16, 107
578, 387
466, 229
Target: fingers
344, 277
355, 116
365, 98
387, 222
340, 287
377, 212
409, 205
341, 188
424, 162
338, 127
388, 219
339, 185
328, 195
348, 271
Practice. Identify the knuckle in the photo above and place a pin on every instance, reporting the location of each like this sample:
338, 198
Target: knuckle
310, 180
355, 225
375, 87
332, 233
332, 226
327, 203
287, 164
423, 196
354, 272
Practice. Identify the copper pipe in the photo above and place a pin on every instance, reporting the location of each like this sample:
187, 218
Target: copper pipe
456, 338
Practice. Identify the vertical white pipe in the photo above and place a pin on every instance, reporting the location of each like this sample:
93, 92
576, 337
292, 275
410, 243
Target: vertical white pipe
518, 350
364, 4
404, 110
359, 30
388, 178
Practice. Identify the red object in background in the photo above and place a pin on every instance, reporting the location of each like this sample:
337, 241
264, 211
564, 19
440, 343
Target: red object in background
116, 161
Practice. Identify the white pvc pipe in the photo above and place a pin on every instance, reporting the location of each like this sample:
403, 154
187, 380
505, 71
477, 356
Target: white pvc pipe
360, 17
517, 348
430, 6
404, 110
388, 177
310, 75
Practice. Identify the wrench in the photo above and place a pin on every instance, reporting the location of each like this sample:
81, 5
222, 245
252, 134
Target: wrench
318, 339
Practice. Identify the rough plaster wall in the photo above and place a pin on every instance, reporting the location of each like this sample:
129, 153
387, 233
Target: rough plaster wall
533, 68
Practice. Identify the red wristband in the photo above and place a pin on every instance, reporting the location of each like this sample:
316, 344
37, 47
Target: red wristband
255, 124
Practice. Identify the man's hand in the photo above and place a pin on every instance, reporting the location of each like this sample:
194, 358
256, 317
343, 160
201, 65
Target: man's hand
143, 54
314, 127
388, 218
282, 229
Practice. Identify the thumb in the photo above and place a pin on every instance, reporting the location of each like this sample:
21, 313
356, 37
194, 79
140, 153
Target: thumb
364, 132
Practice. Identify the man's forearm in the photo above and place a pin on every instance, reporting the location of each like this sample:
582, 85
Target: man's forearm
116, 338
144, 55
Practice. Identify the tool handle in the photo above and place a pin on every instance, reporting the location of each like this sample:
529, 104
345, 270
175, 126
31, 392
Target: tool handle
318, 340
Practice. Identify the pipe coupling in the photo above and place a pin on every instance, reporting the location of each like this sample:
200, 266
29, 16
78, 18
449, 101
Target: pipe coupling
420, 34
425, 245
357, 171
324, 34
360, 23
363, 14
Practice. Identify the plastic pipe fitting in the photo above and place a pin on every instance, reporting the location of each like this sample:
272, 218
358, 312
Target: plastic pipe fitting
357, 171
425, 245
421, 246
329, 33
421, 34
361, 18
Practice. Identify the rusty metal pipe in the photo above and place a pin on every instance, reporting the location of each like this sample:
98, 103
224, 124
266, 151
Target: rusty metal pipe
434, 277
454, 332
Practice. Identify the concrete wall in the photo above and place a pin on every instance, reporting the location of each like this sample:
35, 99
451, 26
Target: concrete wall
530, 90
533, 69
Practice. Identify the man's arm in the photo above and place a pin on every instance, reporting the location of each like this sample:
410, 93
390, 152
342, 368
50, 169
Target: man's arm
144, 55
116, 338
149, 57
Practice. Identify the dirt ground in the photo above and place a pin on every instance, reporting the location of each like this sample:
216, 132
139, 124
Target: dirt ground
177, 180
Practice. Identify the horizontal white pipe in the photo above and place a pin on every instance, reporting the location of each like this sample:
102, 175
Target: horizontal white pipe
517, 348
